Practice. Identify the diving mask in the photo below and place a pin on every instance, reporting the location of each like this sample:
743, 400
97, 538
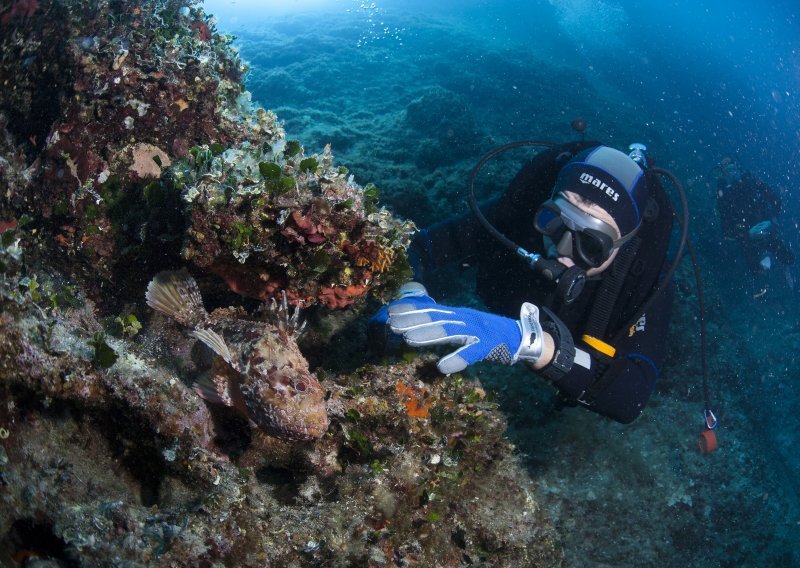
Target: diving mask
730, 170
577, 235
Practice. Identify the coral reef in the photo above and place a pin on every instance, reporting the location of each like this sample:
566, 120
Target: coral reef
103, 94
128, 145
266, 218
122, 460
128, 129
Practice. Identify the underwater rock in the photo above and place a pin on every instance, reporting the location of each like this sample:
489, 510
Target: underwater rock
268, 219
136, 149
447, 126
95, 86
123, 461
147, 130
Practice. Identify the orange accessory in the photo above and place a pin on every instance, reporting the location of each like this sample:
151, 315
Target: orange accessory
707, 441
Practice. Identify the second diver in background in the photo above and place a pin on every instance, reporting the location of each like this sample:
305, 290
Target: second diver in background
748, 212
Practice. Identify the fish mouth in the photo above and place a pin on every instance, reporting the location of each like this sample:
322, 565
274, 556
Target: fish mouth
318, 426
303, 434
307, 427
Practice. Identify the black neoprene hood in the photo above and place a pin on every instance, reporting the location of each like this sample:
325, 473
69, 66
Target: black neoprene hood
610, 179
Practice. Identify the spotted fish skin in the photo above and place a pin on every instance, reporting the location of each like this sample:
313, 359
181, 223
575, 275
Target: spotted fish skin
259, 369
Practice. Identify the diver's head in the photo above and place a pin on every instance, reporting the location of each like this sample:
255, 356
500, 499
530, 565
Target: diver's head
596, 208
730, 171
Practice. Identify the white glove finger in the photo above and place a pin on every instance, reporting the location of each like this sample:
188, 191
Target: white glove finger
459, 359
412, 289
409, 308
424, 336
452, 363
401, 327
410, 320
402, 308
403, 321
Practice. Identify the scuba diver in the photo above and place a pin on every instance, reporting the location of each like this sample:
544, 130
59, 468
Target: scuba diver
748, 211
592, 316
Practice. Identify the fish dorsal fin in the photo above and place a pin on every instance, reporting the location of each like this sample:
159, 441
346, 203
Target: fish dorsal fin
217, 344
176, 294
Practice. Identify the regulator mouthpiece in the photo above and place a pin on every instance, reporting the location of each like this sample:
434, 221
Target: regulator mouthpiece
569, 280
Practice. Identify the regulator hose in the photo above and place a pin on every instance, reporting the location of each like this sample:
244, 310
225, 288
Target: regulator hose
684, 243
569, 280
473, 204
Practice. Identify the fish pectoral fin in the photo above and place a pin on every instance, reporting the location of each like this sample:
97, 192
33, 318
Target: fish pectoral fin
217, 344
213, 388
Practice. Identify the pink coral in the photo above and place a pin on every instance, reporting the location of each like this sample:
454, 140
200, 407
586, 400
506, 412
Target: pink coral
309, 228
342, 296
242, 280
144, 161
203, 31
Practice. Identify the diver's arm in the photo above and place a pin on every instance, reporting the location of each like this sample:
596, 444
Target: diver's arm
729, 207
449, 241
628, 379
769, 200
548, 350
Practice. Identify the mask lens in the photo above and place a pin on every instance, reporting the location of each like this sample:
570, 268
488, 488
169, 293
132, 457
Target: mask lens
593, 247
548, 219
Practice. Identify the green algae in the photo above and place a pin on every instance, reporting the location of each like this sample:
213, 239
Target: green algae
104, 355
308, 165
269, 170
292, 148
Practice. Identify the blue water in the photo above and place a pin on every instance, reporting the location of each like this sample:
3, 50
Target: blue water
702, 59
695, 81
711, 78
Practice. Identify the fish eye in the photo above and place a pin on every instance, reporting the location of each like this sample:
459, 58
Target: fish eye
300, 386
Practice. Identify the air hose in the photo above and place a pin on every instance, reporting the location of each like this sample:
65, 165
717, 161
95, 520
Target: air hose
569, 281
473, 204
684, 243
684, 221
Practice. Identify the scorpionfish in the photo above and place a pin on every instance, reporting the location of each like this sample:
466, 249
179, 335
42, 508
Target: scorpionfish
258, 368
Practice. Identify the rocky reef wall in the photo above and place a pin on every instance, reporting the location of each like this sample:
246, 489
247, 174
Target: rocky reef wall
128, 145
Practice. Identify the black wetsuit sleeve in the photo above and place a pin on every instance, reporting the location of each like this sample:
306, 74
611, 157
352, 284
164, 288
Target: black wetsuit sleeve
627, 380
769, 200
453, 240
729, 205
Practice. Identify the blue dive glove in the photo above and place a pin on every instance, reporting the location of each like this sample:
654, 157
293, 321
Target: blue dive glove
380, 338
482, 336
